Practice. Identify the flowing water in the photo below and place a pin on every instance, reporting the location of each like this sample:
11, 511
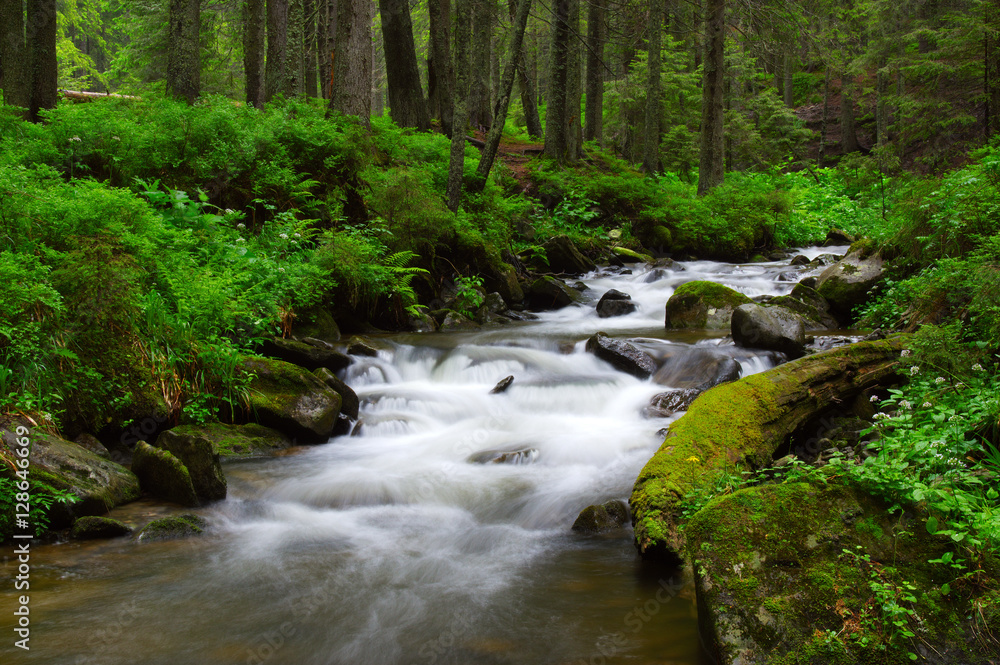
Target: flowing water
397, 545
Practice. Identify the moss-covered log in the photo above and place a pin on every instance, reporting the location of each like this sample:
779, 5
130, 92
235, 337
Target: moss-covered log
742, 424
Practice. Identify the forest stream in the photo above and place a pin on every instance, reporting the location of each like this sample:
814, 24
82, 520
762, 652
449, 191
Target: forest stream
404, 544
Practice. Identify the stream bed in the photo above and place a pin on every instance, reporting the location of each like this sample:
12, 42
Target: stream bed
398, 546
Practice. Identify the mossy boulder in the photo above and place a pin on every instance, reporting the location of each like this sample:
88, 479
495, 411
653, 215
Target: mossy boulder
317, 323
607, 516
93, 527
455, 321
564, 257
742, 424
98, 483
350, 405
846, 283
621, 355
235, 441
548, 292
631, 256
775, 585
198, 455
701, 304
311, 354
171, 528
772, 328
810, 305
291, 400
163, 475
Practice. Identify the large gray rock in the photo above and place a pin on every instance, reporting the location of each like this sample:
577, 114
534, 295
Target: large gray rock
694, 368
847, 282
163, 475
291, 400
99, 484
312, 355
772, 328
349, 402
249, 440
605, 517
615, 303
621, 355
701, 304
564, 257
197, 453
93, 527
547, 292
666, 404
810, 305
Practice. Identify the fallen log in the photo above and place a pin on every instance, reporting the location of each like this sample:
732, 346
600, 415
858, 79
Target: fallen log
740, 425
81, 96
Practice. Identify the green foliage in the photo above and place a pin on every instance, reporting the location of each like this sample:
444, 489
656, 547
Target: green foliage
469, 296
889, 621
40, 496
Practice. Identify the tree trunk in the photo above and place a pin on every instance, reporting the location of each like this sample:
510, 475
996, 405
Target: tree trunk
881, 105
14, 57
514, 49
555, 118
480, 116
773, 407
460, 115
442, 83
787, 72
254, 44
352, 75
406, 98
823, 127
311, 14
183, 44
594, 123
277, 47
710, 168
295, 49
848, 133
574, 86
651, 130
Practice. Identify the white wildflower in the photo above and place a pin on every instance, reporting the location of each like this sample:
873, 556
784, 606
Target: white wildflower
77, 139
906, 353
955, 418
914, 370
881, 416
241, 226
283, 236
298, 235
939, 380
977, 368
905, 404
874, 398
240, 240
926, 405
281, 270
115, 138
229, 211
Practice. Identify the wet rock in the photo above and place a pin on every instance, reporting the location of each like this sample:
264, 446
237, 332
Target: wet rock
838, 237
521, 456
701, 304
809, 281
697, 369
547, 293
93, 528
800, 260
350, 405
494, 303
654, 276
630, 256
810, 305
249, 440
290, 399
171, 528
454, 321
580, 286
621, 355
198, 455
615, 303
787, 277
163, 475
670, 264
824, 260
423, 322
564, 257
91, 443
98, 483
605, 517
774, 328
361, 347
311, 353
846, 283
317, 323
666, 404
502, 385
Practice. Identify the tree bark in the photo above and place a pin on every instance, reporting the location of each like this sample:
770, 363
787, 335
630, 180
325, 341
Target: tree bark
506, 86
881, 105
311, 14
277, 46
480, 111
14, 57
254, 45
555, 119
441, 74
651, 130
848, 133
824, 122
183, 46
593, 129
787, 72
460, 115
574, 86
711, 162
406, 98
352, 75
774, 406
295, 50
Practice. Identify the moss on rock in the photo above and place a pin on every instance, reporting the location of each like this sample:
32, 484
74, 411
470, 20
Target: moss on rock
163, 475
93, 527
290, 399
702, 304
170, 528
249, 440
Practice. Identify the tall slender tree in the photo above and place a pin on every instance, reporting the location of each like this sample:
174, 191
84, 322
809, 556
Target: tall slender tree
183, 48
460, 115
480, 110
406, 98
712, 155
295, 50
15, 75
651, 132
574, 86
311, 13
275, 74
593, 129
441, 75
254, 48
555, 119
352, 60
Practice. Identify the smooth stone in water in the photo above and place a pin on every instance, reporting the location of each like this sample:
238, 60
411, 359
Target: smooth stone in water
163, 475
522, 456
697, 369
615, 303
93, 527
349, 402
171, 528
666, 404
502, 385
701, 304
605, 517
198, 455
772, 328
547, 293
621, 355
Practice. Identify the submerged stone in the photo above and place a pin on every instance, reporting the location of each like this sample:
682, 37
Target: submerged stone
604, 517
522, 456
93, 527
171, 528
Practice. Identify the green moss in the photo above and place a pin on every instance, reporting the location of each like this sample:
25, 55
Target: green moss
170, 528
237, 440
701, 304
